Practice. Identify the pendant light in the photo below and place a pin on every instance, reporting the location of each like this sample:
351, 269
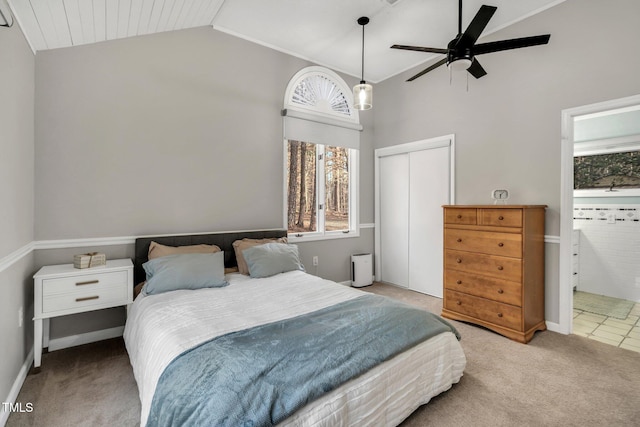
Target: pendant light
363, 92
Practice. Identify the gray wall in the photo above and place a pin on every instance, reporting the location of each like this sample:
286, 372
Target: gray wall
170, 133
16, 201
507, 124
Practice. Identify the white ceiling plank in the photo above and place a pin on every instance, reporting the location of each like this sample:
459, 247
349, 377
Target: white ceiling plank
156, 13
182, 18
46, 18
145, 16
27, 20
212, 11
111, 19
134, 17
99, 19
87, 17
192, 19
165, 14
72, 14
175, 13
61, 22
124, 12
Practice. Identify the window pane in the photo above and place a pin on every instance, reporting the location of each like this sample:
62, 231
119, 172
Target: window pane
337, 188
301, 181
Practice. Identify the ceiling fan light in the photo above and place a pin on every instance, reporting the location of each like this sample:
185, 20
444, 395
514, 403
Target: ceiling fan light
362, 96
461, 64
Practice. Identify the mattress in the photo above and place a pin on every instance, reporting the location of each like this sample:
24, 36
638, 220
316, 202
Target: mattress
161, 327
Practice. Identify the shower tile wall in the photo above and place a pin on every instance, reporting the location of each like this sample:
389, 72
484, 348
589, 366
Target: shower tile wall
609, 249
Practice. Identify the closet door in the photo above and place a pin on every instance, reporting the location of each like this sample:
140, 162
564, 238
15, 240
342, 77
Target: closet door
393, 221
429, 189
413, 181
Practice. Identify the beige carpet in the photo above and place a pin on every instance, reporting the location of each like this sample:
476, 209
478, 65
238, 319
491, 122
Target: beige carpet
555, 380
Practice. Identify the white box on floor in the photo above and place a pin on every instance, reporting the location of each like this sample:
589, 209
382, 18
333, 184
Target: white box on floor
361, 270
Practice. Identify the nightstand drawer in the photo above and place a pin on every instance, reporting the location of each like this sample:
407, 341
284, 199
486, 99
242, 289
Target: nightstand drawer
83, 283
102, 296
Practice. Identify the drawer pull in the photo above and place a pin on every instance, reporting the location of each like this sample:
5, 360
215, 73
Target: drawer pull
500, 217
500, 291
458, 260
90, 282
459, 282
575, 273
87, 298
459, 302
459, 240
500, 267
501, 244
499, 314
459, 216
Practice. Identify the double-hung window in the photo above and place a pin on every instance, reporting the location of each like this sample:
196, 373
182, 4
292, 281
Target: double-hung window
321, 145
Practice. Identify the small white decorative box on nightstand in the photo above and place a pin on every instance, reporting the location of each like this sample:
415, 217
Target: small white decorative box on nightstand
62, 289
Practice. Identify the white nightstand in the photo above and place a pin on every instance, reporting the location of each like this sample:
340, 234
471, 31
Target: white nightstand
61, 289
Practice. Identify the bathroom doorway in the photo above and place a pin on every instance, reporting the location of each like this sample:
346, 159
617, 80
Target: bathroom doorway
601, 216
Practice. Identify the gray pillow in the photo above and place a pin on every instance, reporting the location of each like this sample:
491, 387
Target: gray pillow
184, 271
272, 258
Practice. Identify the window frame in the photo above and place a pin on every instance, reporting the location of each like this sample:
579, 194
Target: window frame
321, 233
322, 114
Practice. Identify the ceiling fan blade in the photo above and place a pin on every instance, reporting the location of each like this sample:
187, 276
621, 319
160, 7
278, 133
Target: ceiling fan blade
476, 69
420, 49
477, 25
481, 48
426, 70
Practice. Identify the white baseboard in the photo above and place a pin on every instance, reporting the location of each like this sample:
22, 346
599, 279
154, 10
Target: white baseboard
555, 327
86, 338
15, 388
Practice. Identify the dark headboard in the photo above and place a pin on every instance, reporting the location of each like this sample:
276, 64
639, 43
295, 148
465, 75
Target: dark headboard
222, 240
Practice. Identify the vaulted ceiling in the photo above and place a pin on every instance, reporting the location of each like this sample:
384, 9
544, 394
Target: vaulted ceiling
322, 31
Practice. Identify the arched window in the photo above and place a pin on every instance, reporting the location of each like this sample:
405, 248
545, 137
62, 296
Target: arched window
321, 139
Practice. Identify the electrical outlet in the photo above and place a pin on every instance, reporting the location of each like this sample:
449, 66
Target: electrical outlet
315, 260
20, 317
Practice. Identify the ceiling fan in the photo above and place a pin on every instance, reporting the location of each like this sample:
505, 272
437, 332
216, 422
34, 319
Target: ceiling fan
462, 50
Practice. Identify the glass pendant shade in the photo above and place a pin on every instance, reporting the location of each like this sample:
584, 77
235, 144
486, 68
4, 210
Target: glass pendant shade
363, 96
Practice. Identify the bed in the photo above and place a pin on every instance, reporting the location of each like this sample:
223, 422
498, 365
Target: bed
260, 351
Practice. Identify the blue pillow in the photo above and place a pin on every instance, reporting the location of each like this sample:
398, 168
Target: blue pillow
272, 258
184, 271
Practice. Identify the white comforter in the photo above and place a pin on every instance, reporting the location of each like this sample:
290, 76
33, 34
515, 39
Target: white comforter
161, 327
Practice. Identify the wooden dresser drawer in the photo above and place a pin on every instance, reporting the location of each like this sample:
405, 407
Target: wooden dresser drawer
85, 298
480, 308
503, 244
500, 217
490, 265
82, 283
466, 216
483, 286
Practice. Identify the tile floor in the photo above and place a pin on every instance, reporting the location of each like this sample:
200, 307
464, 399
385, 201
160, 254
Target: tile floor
621, 333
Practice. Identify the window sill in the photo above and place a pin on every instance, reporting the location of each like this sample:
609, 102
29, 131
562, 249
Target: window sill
328, 236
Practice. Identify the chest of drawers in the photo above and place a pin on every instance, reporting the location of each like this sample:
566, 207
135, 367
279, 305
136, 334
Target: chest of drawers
494, 267
61, 289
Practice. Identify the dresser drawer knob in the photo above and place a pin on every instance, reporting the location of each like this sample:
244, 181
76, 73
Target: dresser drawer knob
500, 217
499, 314
90, 282
459, 216
500, 267
459, 282
500, 291
458, 240
501, 244
87, 298
458, 260
459, 302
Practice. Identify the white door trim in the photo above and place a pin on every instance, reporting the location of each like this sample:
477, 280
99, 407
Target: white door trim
565, 300
425, 144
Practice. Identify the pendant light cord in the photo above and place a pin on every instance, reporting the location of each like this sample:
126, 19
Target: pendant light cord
362, 73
